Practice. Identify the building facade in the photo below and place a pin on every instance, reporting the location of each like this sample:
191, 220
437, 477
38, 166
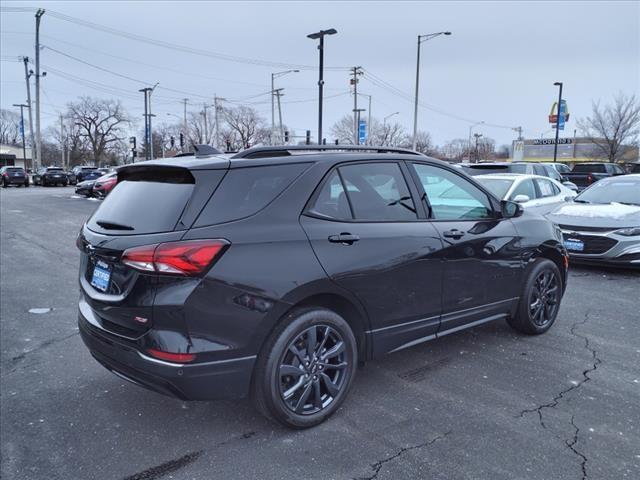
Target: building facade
570, 150
14, 156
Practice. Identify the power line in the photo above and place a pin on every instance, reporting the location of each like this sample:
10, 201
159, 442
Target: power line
180, 48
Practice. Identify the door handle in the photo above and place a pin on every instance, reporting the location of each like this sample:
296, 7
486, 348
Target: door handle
345, 238
455, 234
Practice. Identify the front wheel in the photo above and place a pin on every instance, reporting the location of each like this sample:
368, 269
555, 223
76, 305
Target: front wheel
305, 368
540, 299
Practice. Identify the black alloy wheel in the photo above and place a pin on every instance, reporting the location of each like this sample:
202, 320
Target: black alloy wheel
312, 370
305, 368
544, 298
540, 298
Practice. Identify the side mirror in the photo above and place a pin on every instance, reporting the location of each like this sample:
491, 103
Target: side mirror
511, 209
521, 198
570, 185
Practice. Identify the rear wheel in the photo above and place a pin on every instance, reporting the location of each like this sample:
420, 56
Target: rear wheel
305, 368
540, 299
5, 184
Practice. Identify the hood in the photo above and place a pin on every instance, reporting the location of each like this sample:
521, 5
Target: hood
615, 215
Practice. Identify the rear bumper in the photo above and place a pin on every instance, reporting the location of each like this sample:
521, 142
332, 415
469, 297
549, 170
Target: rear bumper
15, 180
222, 379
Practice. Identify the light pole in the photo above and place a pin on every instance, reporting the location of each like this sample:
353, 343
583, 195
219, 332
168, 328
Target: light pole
477, 136
320, 36
273, 89
384, 127
421, 39
470, 129
555, 146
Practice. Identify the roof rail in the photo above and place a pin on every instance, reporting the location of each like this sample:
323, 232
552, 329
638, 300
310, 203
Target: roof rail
202, 150
287, 150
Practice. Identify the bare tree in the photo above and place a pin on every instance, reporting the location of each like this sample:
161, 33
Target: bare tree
201, 127
100, 122
388, 134
456, 149
424, 143
613, 126
244, 127
342, 130
9, 127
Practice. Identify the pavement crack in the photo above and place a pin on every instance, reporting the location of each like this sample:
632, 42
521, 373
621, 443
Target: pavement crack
596, 361
47, 343
571, 444
585, 376
378, 465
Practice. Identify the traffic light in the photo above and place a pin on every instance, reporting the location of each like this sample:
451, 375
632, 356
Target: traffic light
286, 137
132, 142
181, 140
173, 141
308, 137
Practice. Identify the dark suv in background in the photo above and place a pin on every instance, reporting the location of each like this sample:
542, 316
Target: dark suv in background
13, 176
274, 272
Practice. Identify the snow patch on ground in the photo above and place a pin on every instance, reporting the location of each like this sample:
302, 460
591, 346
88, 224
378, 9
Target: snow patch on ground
612, 210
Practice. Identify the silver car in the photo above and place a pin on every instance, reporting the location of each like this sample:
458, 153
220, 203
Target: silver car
603, 224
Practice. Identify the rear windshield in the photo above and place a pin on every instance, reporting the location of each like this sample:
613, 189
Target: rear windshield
245, 191
498, 186
144, 202
54, 169
17, 169
484, 169
589, 168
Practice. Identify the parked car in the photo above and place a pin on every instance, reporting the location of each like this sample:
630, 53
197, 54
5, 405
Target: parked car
529, 168
46, 176
14, 176
85, 188
559, 167
603, 225
84, 172
635, 168
534, 192
71, 177
585, 174
105, 184
274, 272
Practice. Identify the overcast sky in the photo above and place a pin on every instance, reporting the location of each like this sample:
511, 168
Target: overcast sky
498, 66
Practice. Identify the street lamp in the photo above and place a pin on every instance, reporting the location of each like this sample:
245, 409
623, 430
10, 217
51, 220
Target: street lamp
559, 111
384, 127
421, 39
273, 89
470, 129
22, 106
320, 36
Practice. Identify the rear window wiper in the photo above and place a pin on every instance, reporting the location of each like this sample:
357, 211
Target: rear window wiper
581, 201
113, 226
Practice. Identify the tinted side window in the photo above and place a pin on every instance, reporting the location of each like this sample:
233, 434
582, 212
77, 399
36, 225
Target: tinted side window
245, 191
332, 201
539, 170
378, 191
525, 187
451, 196
552, 173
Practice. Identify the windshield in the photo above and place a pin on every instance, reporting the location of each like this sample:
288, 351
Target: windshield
518, 168
54, 169
619, 190
498, 186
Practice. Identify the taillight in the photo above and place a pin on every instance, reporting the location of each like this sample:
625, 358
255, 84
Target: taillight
172, 357
589, 179
190, 257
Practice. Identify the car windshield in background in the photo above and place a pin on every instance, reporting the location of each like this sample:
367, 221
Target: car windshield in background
518, 168
621, 190
498, 186
54, 169
479, 169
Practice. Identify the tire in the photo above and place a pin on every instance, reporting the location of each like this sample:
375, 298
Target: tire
26, 184
540, 299
323, 384
4, 184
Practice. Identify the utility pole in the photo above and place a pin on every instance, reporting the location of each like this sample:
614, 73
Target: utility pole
146, 123
560, 112
62, 140
24, 146
477, 136
469, 145
27, 75
150, 116
218, 109
278, 93
519, 130
39, 14
185, 100
356, 125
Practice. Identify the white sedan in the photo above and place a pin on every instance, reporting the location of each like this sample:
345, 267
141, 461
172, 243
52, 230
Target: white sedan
534, 192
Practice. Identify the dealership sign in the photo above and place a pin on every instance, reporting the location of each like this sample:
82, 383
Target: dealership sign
552, 141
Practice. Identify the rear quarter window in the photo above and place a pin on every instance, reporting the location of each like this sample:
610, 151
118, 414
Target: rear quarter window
245, 191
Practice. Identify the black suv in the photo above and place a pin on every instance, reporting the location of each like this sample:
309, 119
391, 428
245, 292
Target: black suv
13, 176
275, 271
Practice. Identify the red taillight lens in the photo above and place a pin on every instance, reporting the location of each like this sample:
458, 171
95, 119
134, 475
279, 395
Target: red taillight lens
190, 257
172, 357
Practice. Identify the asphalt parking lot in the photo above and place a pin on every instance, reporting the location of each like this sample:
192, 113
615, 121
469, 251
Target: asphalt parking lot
482, 404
